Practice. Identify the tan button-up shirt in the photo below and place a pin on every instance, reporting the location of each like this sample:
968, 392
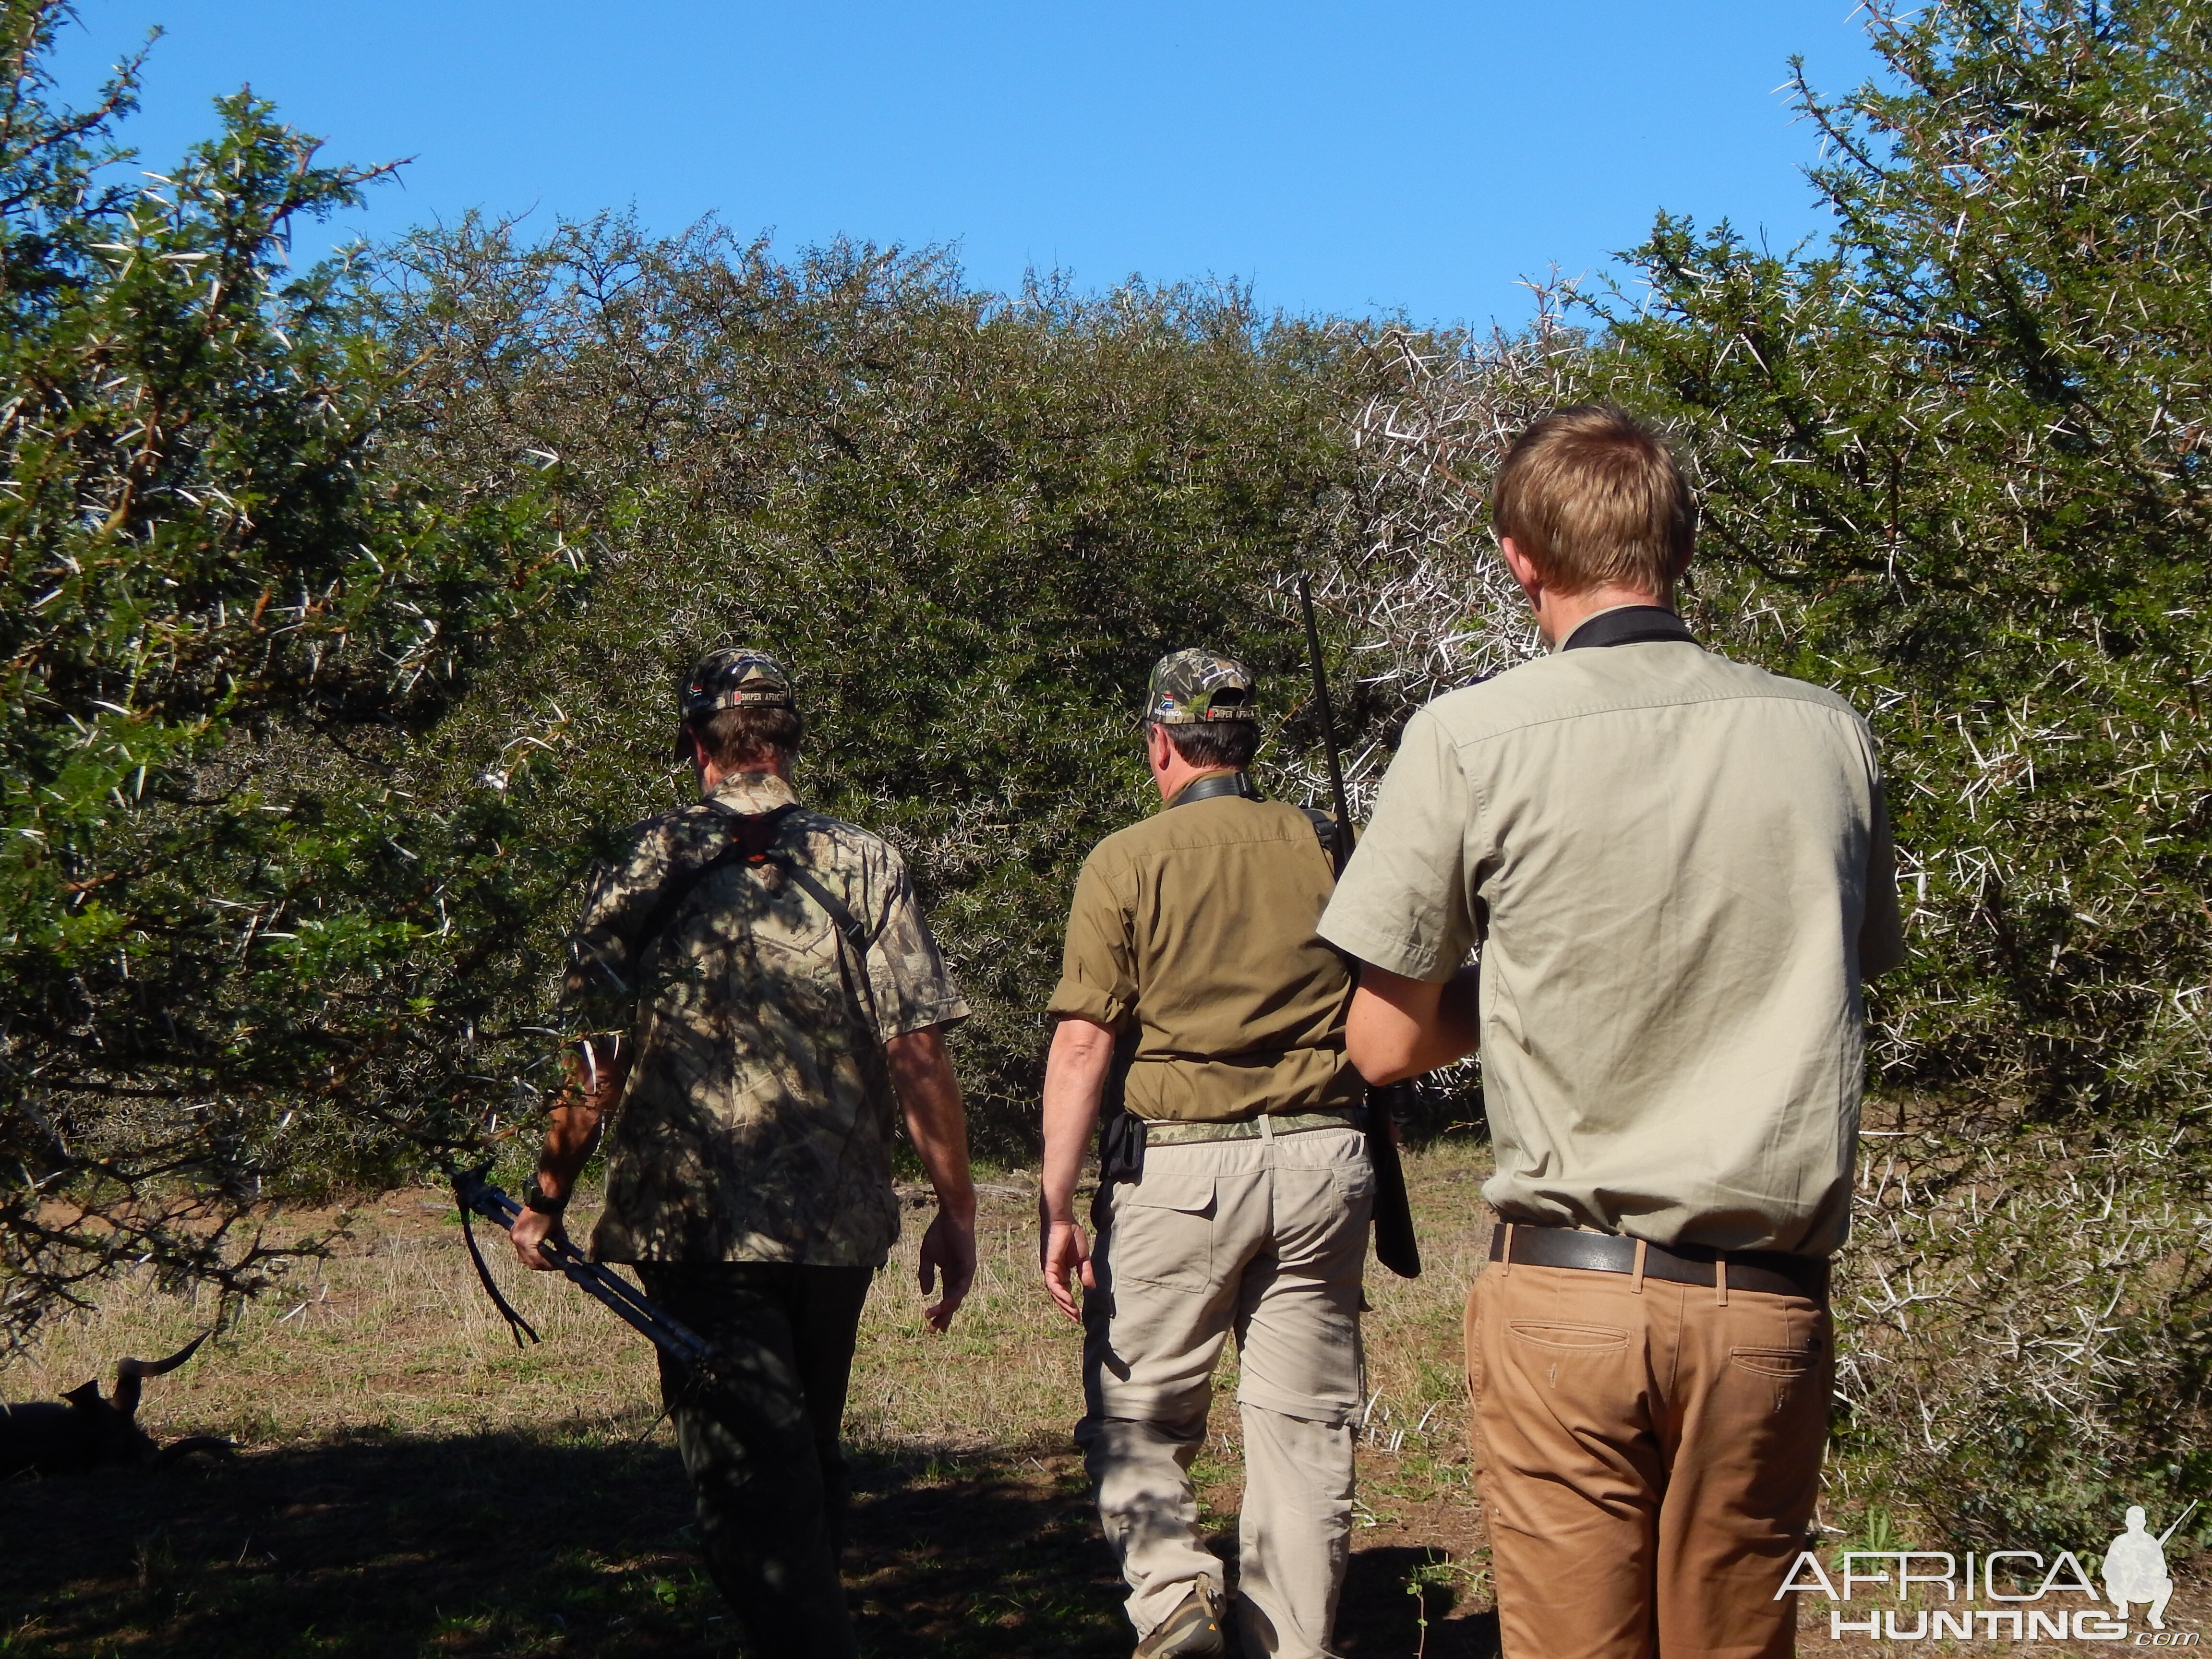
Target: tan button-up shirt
756, 1122
1679, 869
1198, 924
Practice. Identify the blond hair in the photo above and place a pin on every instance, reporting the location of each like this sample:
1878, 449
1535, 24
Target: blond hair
1592, 497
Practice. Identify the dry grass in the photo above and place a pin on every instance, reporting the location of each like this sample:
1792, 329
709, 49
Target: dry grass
394, 1437
393, 1334
384, 1368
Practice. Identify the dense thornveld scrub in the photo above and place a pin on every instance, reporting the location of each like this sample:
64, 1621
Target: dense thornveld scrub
1953, 464
969, 523
222, 928
345, 613
312, 943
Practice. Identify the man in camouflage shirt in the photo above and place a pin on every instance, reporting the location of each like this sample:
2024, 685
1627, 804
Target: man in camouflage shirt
754, 993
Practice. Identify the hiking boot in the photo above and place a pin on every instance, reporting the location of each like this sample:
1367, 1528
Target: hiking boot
1192, 1629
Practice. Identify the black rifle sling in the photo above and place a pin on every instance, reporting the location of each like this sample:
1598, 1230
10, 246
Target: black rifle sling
517, 1326
753, 843
1220, 784
1240, 785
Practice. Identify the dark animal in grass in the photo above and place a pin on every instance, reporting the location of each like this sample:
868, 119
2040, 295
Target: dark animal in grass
88, 1432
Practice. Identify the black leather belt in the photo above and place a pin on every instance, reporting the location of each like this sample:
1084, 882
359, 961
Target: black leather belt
1772, 1270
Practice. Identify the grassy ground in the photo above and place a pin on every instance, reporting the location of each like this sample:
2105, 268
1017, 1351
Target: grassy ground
410, 1484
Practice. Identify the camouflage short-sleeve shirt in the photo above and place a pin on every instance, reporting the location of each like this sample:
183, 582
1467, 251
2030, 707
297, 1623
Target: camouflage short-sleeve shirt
756, 1122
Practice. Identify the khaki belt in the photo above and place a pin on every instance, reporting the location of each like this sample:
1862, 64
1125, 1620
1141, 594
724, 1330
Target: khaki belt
1175, 1132
1772, 1271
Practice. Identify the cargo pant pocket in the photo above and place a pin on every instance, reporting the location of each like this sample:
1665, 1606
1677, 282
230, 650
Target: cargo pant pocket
1163, 1233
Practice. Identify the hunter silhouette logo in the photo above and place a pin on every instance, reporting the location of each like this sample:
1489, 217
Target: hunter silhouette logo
2135, 1574
2135, 1569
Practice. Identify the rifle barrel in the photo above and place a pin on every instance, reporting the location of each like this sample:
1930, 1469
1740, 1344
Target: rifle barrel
1395, 1246
2178, 1520
1342, 802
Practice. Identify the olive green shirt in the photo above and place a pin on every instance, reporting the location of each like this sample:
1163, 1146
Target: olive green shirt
1678, 869
1198, 924
757, 1120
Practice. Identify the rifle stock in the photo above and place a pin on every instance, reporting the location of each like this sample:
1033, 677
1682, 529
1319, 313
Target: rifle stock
1395, 1246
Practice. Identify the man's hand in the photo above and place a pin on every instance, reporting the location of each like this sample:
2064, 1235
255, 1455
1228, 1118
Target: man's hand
1075, 1073
948, 1248
1064, 1253
595, 1074
936, 1124
533, 1228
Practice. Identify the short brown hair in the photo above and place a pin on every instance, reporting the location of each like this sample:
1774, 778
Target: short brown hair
1214, 743
748, 734
1591, 497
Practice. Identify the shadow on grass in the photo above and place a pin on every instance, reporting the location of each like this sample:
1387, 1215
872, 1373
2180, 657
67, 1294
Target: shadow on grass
1380, 1618
361, 1545
520, 1545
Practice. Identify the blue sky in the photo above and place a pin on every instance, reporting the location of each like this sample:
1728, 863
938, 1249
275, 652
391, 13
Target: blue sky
1387, 155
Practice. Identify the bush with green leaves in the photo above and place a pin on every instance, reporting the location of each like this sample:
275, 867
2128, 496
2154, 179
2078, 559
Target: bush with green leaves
970, 524
1953, 464
226, 938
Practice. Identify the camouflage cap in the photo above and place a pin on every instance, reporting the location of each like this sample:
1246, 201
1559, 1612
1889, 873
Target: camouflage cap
1190, 686
735, 676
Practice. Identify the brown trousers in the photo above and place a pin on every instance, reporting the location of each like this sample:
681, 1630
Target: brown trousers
1648, 1459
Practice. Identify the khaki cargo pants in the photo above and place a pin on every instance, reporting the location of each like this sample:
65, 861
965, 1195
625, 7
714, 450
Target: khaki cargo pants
1648, 1459
1264, 1237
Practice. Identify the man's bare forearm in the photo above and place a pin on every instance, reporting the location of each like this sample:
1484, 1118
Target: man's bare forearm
936, 1120
1075, 1073
596, 1073
1399, 1028
937, 1123
571, 1131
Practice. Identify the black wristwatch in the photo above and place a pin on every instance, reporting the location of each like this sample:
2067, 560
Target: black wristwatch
536, 1200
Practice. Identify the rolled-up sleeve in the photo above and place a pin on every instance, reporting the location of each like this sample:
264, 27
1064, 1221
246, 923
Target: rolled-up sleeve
1406, 902
907, 973
1097, 973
